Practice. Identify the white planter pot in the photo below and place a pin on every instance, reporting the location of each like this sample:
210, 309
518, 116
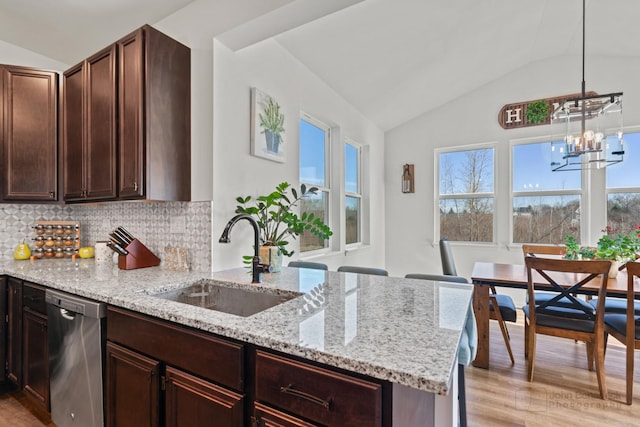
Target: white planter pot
273, 256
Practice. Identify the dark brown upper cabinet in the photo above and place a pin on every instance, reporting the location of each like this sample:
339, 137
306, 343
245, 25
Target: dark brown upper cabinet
154, 111
127, 126
89, 128
28, 132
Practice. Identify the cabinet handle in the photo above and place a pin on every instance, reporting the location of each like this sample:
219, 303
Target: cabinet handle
51, 194
135, 186
325, 403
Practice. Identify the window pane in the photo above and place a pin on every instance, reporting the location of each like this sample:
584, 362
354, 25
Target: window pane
352, 219
466, 219
316, 205
351, 169
468, 171
545, 219
623, 211
532, 170
312, 154
625, 174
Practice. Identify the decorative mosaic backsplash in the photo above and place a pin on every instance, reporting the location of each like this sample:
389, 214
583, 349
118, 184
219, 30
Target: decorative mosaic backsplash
150, 222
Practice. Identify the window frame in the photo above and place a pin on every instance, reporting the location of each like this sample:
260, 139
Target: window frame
580, 192
493, 195
608, 191
358, 195
326, 189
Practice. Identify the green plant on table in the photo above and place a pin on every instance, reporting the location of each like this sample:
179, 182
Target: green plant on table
610, 246
277, 219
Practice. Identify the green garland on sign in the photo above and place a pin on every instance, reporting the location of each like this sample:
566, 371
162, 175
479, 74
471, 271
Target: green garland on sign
538, 111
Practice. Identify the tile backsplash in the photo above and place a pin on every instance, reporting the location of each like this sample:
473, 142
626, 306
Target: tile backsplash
156, 224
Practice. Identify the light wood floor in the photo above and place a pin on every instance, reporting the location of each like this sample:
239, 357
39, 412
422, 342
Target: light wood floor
17, 411
563, 391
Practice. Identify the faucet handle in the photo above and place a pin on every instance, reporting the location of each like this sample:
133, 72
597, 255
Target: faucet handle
265, 268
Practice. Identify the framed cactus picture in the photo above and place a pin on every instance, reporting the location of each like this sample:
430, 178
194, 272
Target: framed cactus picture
267, 127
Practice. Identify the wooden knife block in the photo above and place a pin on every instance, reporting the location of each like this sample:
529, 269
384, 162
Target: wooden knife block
139, 257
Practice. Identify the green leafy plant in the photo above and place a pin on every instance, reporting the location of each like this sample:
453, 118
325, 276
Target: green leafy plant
611, 246
538, 111
620, 247
272, 119
276, 218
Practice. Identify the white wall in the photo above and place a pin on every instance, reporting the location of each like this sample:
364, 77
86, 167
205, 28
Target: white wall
13, 55
270, 68
472, 119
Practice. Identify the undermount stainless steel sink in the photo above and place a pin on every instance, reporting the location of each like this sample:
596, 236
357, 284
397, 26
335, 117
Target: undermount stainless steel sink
232, 300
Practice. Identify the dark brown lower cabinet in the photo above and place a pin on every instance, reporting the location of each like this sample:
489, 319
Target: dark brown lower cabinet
35, 345
132, 388
191, 401
14, 331
35, 360
3, 328
147, 379
315, 393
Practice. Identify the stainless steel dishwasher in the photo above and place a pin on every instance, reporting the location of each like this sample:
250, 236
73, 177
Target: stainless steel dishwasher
76, 352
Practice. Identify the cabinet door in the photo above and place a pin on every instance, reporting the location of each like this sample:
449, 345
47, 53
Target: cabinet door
191, 401
73, 129
3, 328
36, 357
132, 389
100, 157
14, 338
131, 115
30, 134
265, 416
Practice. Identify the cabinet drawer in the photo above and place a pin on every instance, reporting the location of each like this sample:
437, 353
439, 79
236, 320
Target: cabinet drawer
317, 394
216, 359
33, 297
268, 417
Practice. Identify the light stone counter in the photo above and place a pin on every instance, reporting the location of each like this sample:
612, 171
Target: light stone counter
400, 330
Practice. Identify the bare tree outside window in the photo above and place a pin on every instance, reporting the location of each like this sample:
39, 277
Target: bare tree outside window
466, 195
546, 204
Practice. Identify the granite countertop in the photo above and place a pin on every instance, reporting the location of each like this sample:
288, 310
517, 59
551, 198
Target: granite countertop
405, 331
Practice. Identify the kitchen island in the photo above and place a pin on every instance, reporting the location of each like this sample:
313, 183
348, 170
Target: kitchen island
402, 331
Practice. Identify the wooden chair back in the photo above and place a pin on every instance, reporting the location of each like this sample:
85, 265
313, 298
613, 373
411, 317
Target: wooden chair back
630, 338
564, 315
533, 250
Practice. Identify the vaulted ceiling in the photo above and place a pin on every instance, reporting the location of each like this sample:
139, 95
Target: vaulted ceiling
392, 59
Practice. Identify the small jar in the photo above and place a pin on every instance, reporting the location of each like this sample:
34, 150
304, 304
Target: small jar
59, 253
58, 242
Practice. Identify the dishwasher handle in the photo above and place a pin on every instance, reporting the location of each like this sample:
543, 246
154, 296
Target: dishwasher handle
76, 305
66, 314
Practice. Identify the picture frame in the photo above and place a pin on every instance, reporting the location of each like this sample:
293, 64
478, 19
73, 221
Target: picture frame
267, 127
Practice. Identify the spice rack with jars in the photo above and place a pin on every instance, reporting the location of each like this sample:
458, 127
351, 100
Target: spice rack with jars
56, 239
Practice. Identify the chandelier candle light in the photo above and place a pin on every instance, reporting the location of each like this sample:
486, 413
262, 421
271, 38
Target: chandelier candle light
584, 148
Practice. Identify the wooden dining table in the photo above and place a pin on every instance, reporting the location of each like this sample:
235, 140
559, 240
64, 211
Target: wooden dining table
487, 274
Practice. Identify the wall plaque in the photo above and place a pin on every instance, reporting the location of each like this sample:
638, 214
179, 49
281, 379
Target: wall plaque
529, 113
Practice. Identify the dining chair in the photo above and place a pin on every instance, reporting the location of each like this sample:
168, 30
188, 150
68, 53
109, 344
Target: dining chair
626, 327
553, 250
506, 311
468, 341
564, 315
363, 270
308, 264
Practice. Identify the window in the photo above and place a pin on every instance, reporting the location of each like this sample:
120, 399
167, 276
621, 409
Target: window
623, 188
466, 195
353, 194
314, 167
546, 204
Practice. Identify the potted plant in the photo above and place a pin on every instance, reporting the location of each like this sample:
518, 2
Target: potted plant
272, 124
616, 247
278, 221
